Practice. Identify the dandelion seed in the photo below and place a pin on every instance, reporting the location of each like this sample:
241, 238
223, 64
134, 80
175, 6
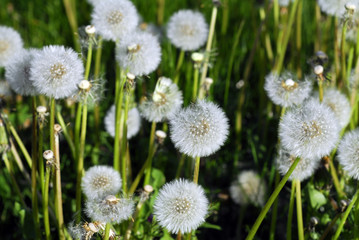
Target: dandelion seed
286, 90
133, 122
18, 73
187, 30
165, 101
336, 7
339, 104
305, 168
348, 153
248, 189
56, 71
200, 129
310, 131
181, 206
100, 181
110, 209
139, 53
114, 19
10, 44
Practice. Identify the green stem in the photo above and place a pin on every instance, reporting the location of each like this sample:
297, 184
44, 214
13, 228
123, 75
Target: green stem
80, 163
35, 208
196, 170
333, 172
58, 191
45, 203
52, 124
77, 131
120, 81
107, 231
66, 133
160, 11
150, 155
271, 200
299, 38
345, 216
39, 157
195, 84
134, 219
178, 67
279, 63
290, 212
124, 172
299, 210
321, 93
21, 144
208, 46
356, 218
275, 211
330, 226
88, 61
342, 49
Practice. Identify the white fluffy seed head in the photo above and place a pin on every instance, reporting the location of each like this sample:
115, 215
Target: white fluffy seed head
348, 153
18, 72
339, 104
133, 122
336, 7
187, 30
248, 189
286, 90
56, 71
165, 101
139, 53
309, 131
114, 19
106, 211
5, 90
200, 129
181, 206
305, 168
10, 44
100, 181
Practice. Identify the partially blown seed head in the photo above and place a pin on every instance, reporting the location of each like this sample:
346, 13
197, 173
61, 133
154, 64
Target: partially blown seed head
10, 44
348, 153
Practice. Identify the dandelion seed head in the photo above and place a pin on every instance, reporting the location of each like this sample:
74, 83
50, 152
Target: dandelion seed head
133, 122
181, 206
187, 30
286, 90
114, 19
336, 7
348, 153
56, 71
110, 210
139, 53
10, 45
200, 129
248, 189
100, 181
309, 131
339, 104
166, 101
305, 168
5, 90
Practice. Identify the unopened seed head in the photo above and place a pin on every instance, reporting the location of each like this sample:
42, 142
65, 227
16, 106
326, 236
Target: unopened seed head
318, 69
48, 154
161, 134
90, 30
148, 188
84, 85
197, 57
350, 7
41, 109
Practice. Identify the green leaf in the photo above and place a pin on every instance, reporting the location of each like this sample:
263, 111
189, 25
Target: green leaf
317, 199
211, 226
158, 178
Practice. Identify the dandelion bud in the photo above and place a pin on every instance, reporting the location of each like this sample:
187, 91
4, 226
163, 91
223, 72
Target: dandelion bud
41, 109
85, 85
197, 57
343, 205
48, 155
314, 221
148, 188
318, 70
90, 30
57, 128
160, 136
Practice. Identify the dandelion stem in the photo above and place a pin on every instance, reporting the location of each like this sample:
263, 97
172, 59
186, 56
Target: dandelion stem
321, 94
52, 123
77, 130
124, 146
45, 203
275, 210
58, 191
135, 219
88, 61
209, 45
333, 172
160, 11
195, 84
39, 157
35, 208
346, 214
356, 218
179, 237
178, 67
271, 200
342, 49
330, 226
180, 166
151, 150
299, 210
107, 231
196, 170
80, 163
290, 212
66, 133
21, 144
